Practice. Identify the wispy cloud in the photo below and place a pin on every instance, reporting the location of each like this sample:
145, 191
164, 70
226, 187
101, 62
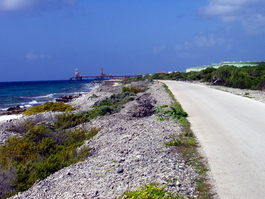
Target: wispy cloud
20, 5
250, 13
203, 42
185, 49
159, 49
209, 40
255, 24
32, 56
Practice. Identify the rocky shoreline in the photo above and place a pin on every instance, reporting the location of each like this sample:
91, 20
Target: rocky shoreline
127, 153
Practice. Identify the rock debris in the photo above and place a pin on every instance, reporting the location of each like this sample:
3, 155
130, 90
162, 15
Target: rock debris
128, 152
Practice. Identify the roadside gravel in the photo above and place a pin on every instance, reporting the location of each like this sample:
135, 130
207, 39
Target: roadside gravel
253, 94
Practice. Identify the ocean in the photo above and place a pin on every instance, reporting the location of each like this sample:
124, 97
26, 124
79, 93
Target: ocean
31, 93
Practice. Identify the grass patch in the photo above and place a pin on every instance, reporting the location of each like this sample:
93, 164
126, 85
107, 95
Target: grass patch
182, 140
49, 106
169, 92
150, 191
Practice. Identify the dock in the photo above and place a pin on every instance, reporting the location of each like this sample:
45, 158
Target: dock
102, 76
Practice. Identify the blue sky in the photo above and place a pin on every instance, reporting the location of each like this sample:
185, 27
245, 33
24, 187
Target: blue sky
49, 39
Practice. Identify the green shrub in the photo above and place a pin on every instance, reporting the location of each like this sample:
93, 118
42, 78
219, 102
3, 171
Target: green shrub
115, 101
49, 106
175, 111
100, 111
93, 96
184, 122
68, 120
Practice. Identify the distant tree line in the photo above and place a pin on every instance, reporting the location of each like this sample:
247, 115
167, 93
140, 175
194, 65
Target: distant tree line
247, 77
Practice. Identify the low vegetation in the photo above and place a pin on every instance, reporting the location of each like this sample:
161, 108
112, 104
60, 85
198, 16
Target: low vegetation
133, 89
37, 153
116, 101
49, 106
150, 191
175, 111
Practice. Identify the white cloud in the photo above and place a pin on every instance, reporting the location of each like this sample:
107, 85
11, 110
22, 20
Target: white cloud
184, 47
18, 5
31, 56
159, 49
12, 5
249, 12
207, 40
202, 42
184, 50
255, 24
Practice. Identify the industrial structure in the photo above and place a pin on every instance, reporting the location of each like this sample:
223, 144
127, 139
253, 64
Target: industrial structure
215, 65
102, 76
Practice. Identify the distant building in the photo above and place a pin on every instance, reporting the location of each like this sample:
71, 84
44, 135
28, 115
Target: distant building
215, 65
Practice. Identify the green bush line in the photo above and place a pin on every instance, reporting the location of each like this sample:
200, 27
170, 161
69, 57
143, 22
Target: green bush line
246, 77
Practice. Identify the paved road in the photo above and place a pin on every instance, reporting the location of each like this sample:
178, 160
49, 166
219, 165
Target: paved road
231, 130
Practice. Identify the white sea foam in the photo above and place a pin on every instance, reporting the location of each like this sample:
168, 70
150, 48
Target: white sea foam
33, 102
27, 106
44, 96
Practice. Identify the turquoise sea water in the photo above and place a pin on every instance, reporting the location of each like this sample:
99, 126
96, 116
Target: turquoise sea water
32, 93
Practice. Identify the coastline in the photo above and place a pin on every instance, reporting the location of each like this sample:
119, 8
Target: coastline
126, 153
26, 94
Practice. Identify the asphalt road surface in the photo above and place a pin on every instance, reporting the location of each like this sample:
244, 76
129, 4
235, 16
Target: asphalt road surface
231, 131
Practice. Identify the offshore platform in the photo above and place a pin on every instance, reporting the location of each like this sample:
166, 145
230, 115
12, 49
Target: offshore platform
102, 76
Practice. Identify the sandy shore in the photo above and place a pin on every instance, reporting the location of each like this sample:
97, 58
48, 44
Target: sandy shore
9, 117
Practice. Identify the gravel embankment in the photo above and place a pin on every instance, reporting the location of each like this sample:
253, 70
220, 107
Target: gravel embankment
127, 153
